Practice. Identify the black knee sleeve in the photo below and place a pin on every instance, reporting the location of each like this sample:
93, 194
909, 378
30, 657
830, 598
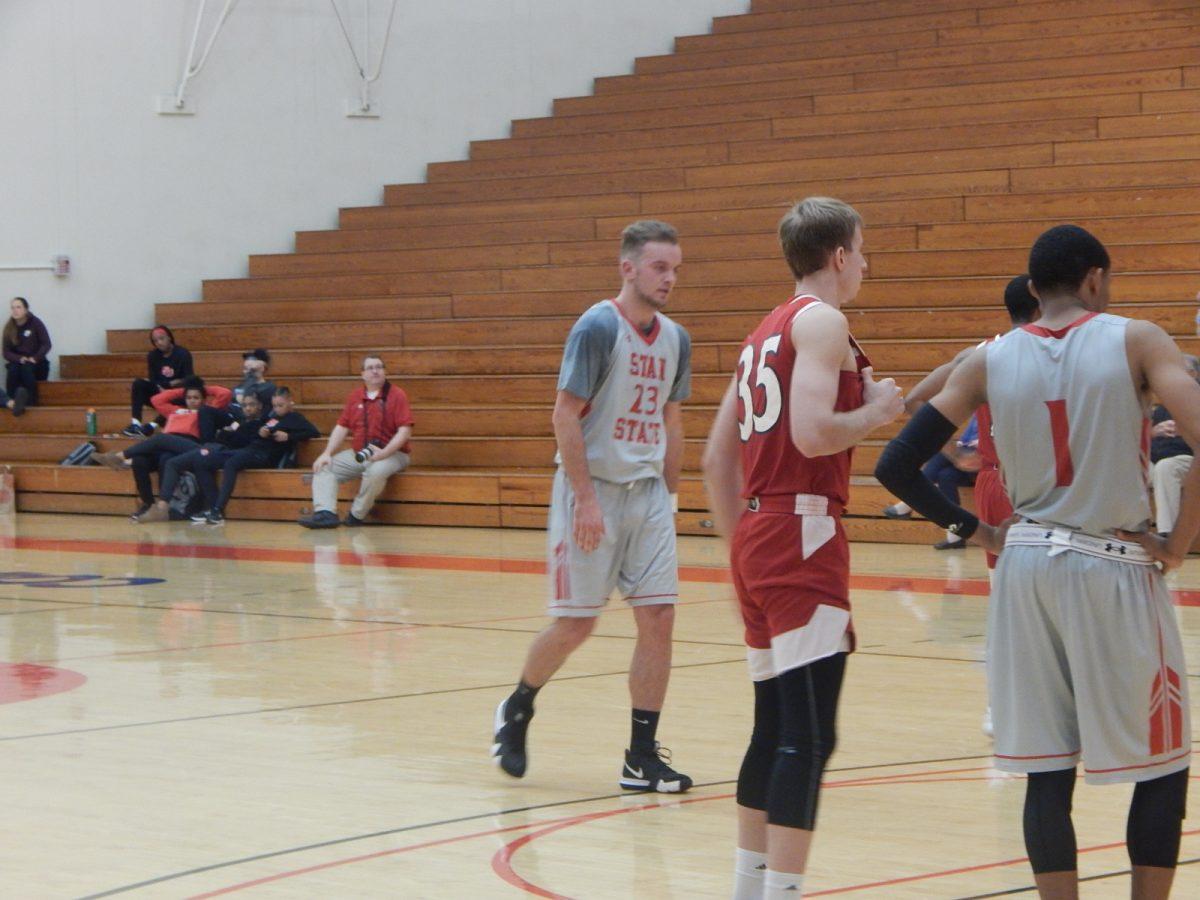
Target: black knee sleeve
1049, 834
1156, 817
807, 736
755, 775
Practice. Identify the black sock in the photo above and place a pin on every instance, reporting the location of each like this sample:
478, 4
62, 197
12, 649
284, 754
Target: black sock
521, 699
645, 725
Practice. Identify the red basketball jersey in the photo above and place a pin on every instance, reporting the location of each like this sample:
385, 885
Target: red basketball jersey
771, 463
987, 443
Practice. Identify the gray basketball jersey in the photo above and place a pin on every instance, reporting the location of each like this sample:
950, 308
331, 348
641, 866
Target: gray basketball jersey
622, 424
1070, 428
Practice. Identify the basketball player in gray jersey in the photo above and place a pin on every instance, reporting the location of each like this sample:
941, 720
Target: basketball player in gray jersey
626, 368
1085, 661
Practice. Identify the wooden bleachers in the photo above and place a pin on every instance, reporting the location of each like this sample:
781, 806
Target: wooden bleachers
957, 133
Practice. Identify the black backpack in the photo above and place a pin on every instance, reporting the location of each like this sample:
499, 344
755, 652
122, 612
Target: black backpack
80, 456
186, 500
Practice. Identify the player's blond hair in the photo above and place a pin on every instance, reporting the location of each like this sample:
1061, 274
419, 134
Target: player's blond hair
813, 229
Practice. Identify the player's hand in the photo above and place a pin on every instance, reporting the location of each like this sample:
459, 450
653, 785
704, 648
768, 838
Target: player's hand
1164, 429
589, 524
280, 436
1157, 546
884, 395
992, 537
320, 462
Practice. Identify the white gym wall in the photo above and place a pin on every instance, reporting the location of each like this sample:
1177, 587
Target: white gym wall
147, 205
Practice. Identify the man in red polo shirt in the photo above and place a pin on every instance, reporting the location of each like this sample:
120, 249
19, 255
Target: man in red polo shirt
378, 421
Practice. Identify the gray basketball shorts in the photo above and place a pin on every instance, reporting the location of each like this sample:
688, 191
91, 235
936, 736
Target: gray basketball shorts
1085, 662
636, 555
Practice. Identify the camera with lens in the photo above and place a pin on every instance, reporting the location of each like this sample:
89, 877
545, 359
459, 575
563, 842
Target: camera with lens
365, 454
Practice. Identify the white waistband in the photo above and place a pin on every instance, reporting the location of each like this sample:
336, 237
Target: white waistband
798, 504
1062, 539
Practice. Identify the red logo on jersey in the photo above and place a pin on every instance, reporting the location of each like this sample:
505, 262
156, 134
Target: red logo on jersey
562, 573
1166, 712
642, 365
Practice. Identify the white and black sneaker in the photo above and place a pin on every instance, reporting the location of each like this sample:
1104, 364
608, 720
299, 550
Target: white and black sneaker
508, 736
652, 772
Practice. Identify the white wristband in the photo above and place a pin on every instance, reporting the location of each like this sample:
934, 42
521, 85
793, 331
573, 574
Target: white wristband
674, 503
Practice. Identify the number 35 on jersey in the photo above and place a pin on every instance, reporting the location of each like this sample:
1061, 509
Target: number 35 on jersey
760, 398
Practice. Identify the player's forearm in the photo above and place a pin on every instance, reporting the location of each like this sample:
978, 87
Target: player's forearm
1187, 526
835, 432
573, 453
723, 484
673, 460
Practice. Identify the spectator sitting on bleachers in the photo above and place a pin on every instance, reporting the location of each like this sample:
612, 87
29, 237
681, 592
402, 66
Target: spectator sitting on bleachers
26, 344
185, 428
254, 378
167, 365
1171, 457
264, 441
378, 421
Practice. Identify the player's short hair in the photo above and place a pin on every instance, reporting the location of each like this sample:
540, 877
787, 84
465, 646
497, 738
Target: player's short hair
1022, 306
638, 234
813, 229
282, 391
1062, 257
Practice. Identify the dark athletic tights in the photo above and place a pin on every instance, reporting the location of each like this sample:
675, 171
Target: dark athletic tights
1156, 816
794, 736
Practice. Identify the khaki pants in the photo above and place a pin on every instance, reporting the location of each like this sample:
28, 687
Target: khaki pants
1168, 477
343, 467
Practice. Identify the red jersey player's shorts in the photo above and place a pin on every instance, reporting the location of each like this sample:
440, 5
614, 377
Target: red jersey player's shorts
791, 571
991, 501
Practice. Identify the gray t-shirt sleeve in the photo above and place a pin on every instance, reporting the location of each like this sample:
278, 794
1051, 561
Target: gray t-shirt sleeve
588, 353
682, 388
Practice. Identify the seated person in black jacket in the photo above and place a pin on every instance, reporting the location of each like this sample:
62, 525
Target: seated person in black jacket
265, 438
26, 343
167, 366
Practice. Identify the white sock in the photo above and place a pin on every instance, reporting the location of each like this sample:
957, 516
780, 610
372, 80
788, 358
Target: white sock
952, 538
748, 869
783, 885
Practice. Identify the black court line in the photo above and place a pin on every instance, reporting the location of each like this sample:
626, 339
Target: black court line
1029, 889
467, 626
272, 854
299, 706
50, 609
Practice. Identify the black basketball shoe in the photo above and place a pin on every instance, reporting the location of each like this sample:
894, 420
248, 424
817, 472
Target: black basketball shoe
652, 772
508, 747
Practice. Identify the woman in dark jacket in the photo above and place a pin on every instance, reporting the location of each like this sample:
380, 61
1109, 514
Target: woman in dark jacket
26, 345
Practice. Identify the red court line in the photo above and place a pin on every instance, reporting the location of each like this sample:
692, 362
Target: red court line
552, 824
502, 859
972, 587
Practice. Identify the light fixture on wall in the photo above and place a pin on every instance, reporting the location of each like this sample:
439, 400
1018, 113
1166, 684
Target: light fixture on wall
178, 104
363, 107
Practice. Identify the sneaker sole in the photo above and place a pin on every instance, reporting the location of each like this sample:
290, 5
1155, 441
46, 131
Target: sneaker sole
497, 747
660, 787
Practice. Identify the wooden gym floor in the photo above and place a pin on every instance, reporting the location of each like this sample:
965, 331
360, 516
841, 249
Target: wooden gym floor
264, 711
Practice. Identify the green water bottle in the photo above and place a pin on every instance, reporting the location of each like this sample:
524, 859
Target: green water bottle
89, 420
